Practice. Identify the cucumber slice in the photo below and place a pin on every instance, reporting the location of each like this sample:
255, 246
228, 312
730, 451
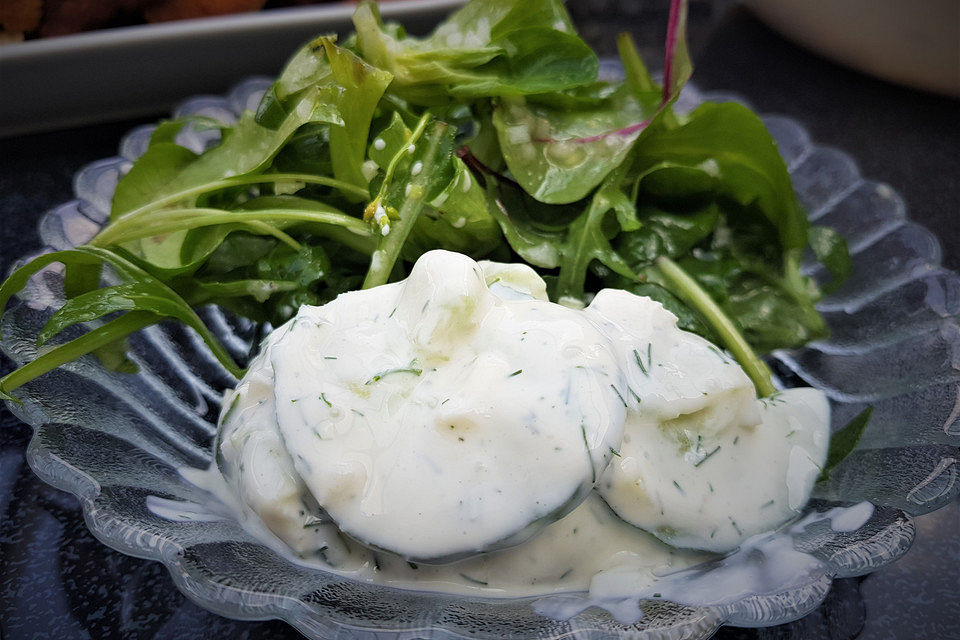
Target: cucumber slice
436, 420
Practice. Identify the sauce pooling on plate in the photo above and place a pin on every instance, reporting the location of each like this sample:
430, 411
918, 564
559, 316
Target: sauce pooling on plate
457, 431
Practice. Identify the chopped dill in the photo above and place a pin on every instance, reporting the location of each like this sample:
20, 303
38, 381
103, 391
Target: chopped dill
515, 373
586, 443
408, 369
706, 457
619, 395
767, 504
643, 369
679, 488
473, 580
323, 396
615, 452
734, 523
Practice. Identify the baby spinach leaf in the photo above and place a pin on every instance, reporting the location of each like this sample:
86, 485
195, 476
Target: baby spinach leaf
487, 48
731, 141
559, 155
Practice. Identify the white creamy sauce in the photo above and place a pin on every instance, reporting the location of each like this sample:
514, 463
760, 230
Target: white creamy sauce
456, 424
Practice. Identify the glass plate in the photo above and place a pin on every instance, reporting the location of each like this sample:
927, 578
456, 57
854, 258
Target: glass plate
116, 441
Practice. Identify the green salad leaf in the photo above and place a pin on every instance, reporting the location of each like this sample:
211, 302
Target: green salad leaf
844, 441
492, 136
487, 48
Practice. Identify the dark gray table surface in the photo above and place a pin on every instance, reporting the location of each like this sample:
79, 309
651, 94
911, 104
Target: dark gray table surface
57, 581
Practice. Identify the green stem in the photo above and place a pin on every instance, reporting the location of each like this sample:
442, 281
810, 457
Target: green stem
387, 254
688, 289
91, 341
184, 219
269, 230
239, 181
395, 160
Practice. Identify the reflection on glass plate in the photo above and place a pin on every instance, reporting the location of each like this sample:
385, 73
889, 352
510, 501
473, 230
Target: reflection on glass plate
116, 441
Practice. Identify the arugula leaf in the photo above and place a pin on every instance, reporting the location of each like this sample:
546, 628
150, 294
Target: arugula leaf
428, 175
150, 175
730, 336
666, 234
773, 309
146, 298
830, 248
246, 148
307, 151
844, 441
93, 341
168, 130
586, 240
457, 219
360, 88
168, 169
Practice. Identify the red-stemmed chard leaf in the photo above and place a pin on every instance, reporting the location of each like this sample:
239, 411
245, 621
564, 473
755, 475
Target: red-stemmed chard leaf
560, 150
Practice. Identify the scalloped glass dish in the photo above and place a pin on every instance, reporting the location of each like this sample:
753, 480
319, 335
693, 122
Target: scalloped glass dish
116, 441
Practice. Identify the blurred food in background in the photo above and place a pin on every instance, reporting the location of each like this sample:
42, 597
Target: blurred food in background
29, 19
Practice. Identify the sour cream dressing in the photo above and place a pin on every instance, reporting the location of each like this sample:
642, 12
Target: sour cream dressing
460, 412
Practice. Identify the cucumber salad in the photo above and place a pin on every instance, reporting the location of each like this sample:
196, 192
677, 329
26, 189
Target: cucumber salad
460, 412
515, 313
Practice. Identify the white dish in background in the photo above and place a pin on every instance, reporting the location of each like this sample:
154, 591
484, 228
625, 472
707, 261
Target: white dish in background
143, 70
904, 41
